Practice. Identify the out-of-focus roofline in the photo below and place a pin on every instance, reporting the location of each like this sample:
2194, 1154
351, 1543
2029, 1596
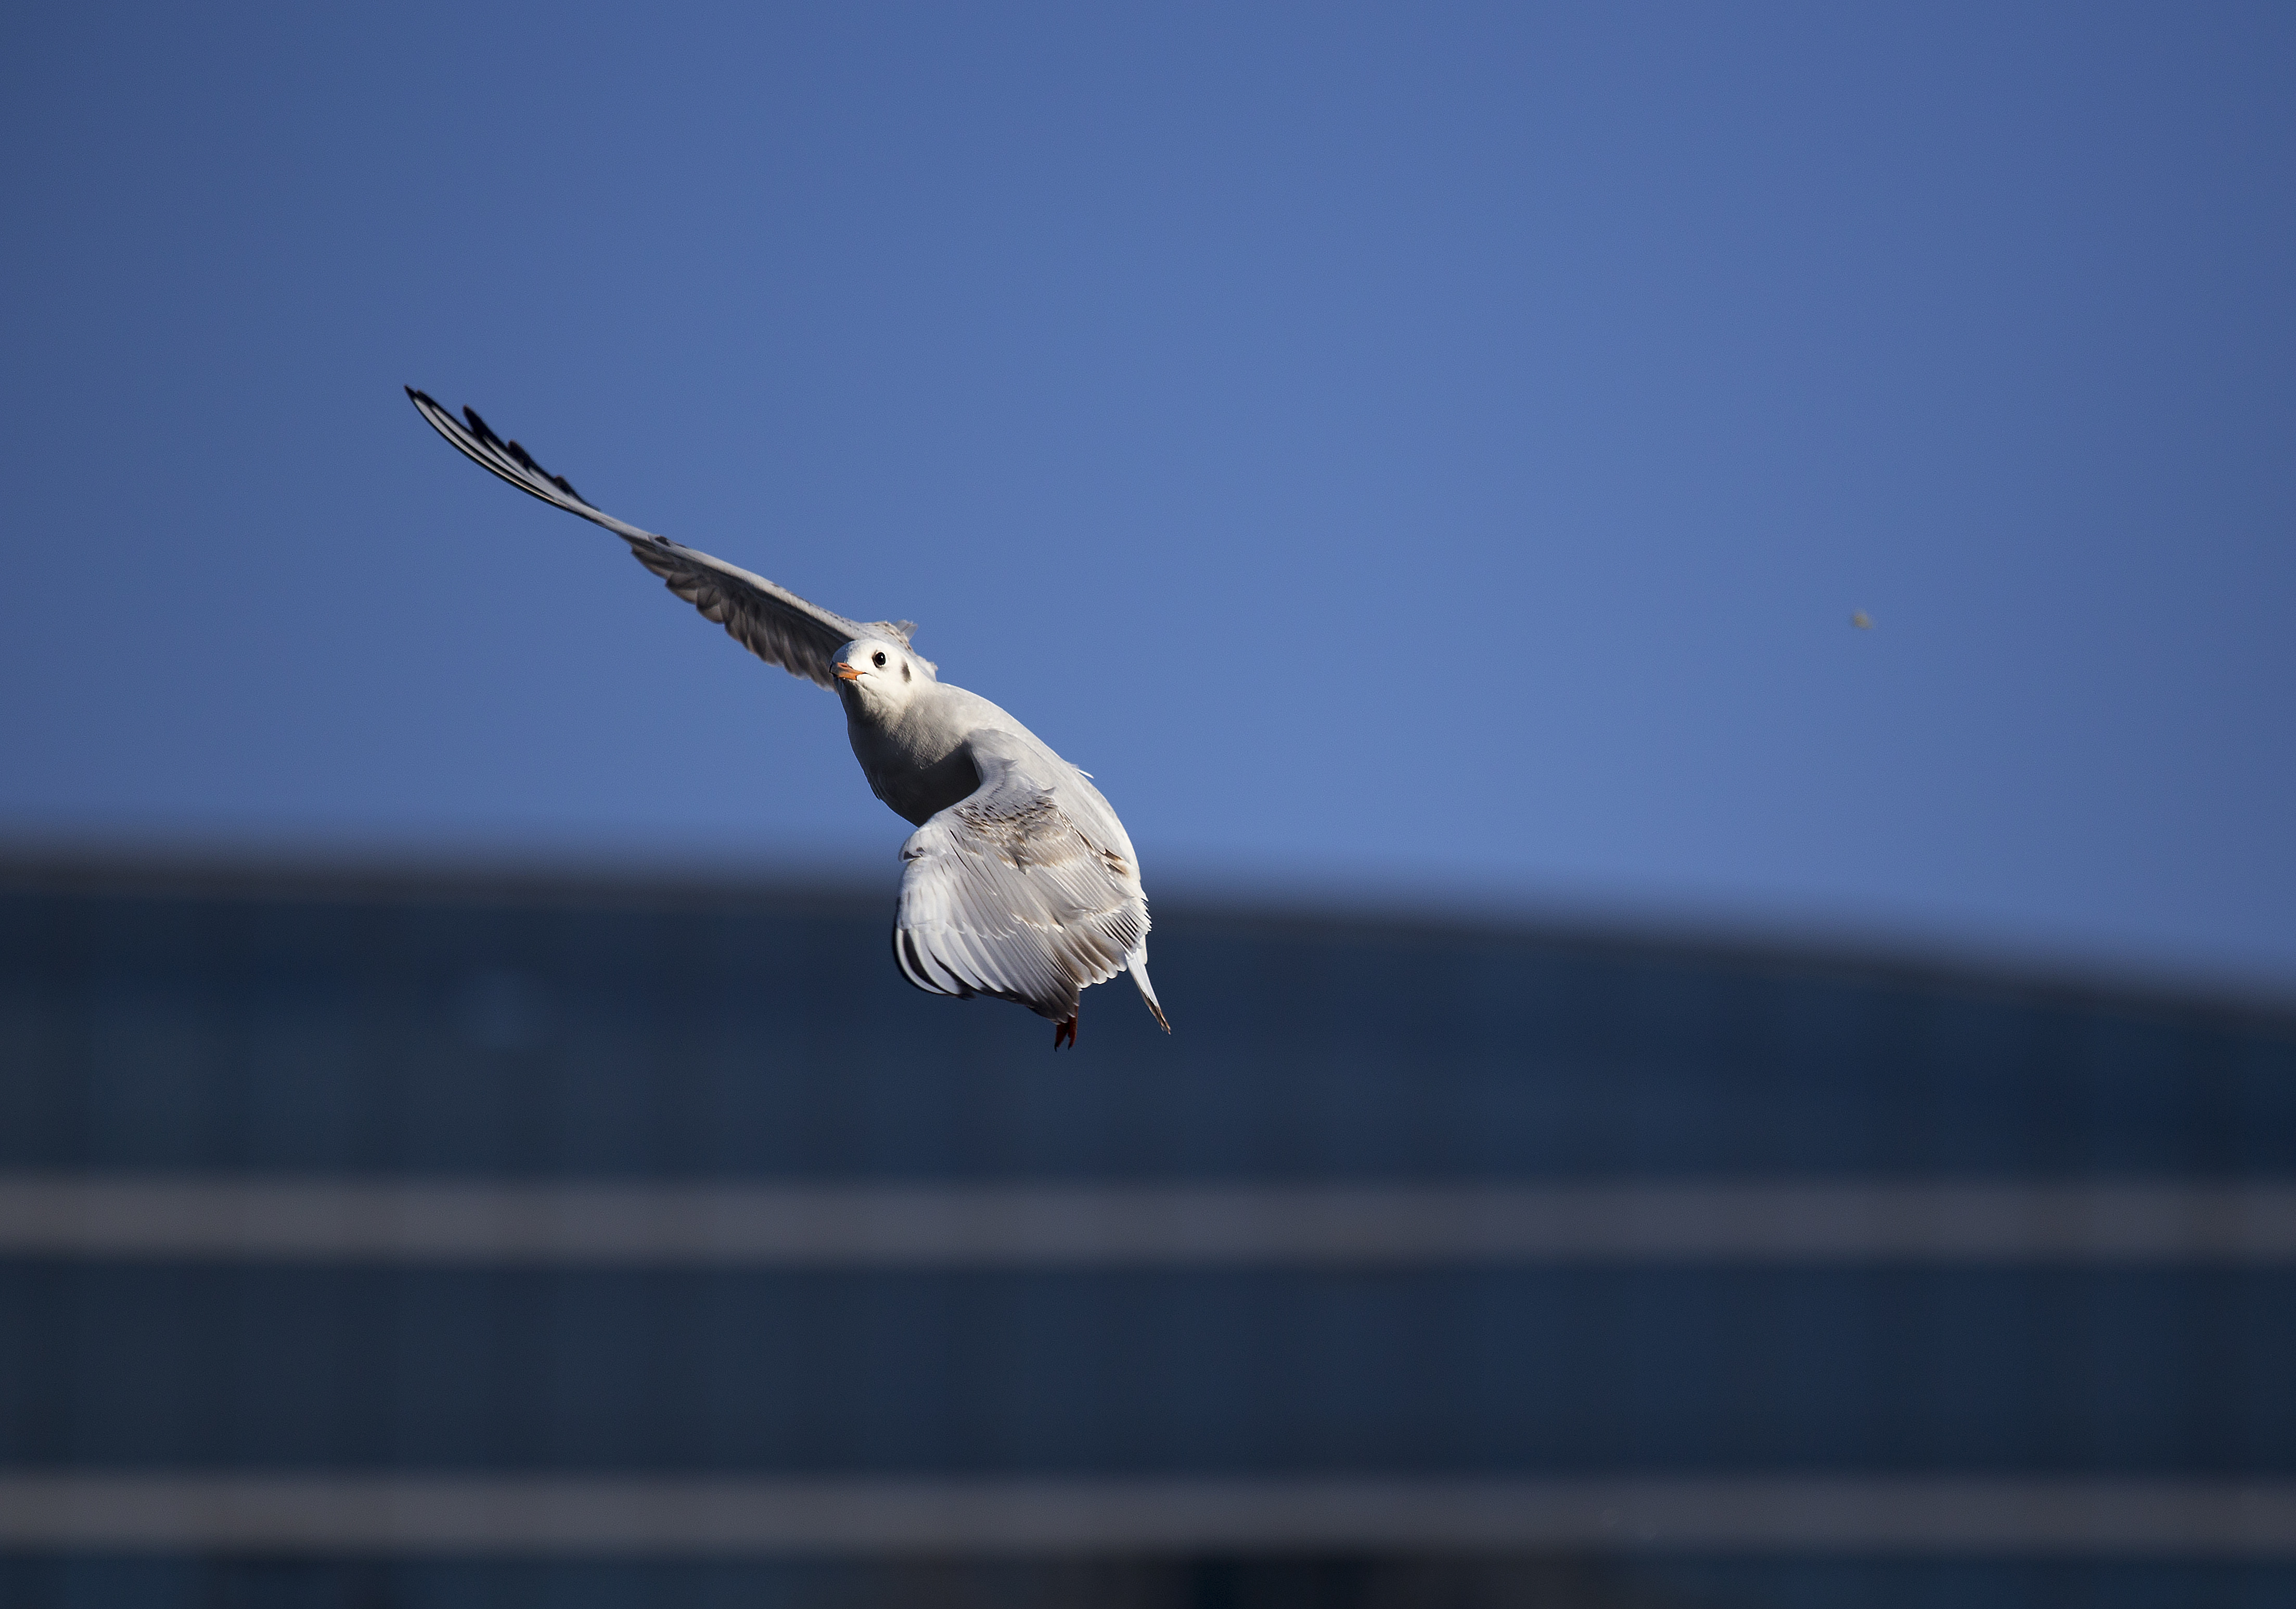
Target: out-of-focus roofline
483, 876
572, 879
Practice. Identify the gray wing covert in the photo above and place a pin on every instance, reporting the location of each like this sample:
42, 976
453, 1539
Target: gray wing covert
771, 621
1003, 894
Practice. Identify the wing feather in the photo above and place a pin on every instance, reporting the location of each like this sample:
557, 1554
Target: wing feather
1005, 894
772, 622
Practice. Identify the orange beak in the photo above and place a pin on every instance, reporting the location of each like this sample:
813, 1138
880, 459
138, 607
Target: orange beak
847, 672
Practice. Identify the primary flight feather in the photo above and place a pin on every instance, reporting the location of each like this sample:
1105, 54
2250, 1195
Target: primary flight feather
1020, 882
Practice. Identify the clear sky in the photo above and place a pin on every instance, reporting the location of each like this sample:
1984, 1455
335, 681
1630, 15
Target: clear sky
1434, 449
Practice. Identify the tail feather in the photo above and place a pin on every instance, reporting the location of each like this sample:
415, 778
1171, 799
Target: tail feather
1137, 964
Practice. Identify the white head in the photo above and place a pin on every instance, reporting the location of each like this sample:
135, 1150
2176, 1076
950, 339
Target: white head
878, 677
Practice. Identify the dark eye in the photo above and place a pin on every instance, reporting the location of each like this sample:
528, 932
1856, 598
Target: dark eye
877, 659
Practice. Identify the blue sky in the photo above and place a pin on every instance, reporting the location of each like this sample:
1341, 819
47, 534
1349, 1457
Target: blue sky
1432, 450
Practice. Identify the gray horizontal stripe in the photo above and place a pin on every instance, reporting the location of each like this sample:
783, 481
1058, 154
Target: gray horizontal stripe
1144, 1225
674, 1516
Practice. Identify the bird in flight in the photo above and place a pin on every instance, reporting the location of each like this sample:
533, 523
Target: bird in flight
1020, 882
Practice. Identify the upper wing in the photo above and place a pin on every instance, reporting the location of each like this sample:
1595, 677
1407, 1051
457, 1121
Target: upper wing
1003, 894
772, 622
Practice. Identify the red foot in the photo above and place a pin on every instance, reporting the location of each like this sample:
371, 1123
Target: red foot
1064, 1032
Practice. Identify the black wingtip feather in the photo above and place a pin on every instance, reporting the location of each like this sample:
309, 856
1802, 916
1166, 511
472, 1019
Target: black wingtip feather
526, 461
485, 433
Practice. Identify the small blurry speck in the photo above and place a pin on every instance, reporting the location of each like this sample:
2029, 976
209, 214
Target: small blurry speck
1862, 620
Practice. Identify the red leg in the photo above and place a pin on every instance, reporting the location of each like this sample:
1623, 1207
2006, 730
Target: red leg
1064, 1031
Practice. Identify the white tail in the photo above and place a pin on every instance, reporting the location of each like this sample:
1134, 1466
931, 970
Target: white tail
1137, 964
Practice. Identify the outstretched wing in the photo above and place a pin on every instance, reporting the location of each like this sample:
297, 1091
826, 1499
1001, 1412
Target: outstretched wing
1003, 894
772, 622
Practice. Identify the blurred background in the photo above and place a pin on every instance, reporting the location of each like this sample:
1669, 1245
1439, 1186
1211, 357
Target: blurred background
1687, 609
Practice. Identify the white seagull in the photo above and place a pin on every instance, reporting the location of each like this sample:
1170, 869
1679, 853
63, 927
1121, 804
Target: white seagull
1020, 882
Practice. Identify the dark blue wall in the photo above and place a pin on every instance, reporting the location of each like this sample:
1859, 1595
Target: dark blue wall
285, 1026
600, 1032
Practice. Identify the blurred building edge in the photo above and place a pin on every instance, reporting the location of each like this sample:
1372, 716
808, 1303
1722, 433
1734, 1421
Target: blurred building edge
449, 1236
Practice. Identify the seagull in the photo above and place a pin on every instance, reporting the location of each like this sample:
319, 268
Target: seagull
1019, 882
